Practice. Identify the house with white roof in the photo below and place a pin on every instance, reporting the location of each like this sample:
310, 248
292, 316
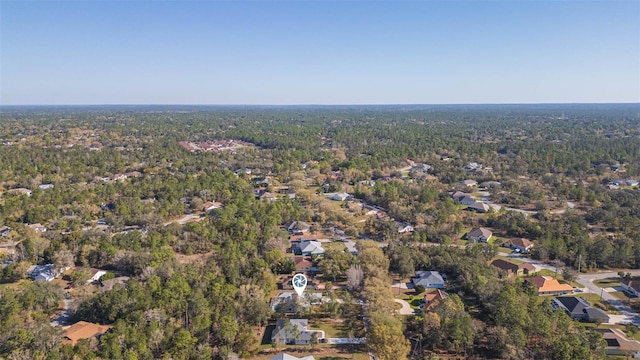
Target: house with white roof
308, 248
428, 279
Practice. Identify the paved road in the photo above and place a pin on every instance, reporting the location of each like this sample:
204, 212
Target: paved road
628, 315
185, 219
63, 318
539, 265
406, 308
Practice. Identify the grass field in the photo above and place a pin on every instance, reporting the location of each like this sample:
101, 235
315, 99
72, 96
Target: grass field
608, 282
336, 245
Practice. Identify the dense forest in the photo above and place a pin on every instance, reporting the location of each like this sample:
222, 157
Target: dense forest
123, 196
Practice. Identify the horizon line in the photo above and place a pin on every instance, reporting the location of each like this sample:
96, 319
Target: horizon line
321, 105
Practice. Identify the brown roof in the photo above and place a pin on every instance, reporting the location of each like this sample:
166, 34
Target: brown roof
432, 299
302, 262
84, 330
511, 267
548, 284
480, 232
616, 339
505, 265
525, 243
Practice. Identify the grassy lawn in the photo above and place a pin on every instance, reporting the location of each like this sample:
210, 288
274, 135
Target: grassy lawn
596, 300
505, 250
336, 245
619, 295
330, 330
412, 299
608, 282
512, 260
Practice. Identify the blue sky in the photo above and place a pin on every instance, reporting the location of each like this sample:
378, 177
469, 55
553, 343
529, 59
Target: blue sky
330, 52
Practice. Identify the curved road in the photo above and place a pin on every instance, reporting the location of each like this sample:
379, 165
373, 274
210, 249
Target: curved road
628, 315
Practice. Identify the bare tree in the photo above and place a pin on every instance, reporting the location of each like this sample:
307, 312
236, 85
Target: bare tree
355, 276
63, 259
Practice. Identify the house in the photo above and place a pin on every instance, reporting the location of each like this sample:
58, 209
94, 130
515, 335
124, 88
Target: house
308, 248
298, 227
290, 302
96, 275
37, 227
118, 177
546, 285
433, 299
579, 309
632, 182
295, 331
45, 186
109, 284
210, 205
479, 207
4, 231
491, 184
479, 235
618, 344
43, 272
421, 168
632, 287
19, 191
404, 228
520, 244
472, 167
468, 183
457, 195
339, 196
84, 330
284, 356
511, 268
268, 196
304, 264
465, 200
428, 279
133, 174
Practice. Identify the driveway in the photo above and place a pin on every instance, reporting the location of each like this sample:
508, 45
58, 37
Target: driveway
63, 318
627, 314
406, 308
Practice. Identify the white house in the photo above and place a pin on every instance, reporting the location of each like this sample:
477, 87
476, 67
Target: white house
339, 196
295, 331
98, 274
479, 235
